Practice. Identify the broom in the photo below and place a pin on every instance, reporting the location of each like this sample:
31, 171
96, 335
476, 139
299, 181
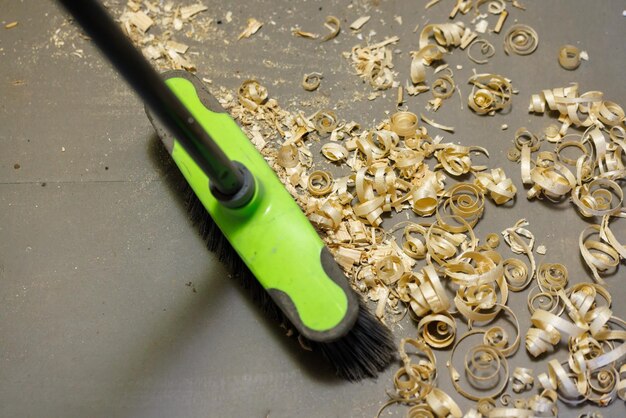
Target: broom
245, 214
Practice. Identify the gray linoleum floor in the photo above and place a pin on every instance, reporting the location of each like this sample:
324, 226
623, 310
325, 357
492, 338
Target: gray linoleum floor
110, 306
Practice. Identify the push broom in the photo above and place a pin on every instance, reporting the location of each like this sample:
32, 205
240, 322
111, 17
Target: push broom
245, 214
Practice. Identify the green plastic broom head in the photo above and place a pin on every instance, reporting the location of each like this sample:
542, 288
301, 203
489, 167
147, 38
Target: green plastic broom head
270, 233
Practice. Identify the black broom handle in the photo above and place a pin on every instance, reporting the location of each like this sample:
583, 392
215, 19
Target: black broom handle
108, 36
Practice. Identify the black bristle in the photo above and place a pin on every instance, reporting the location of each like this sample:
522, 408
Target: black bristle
364, 352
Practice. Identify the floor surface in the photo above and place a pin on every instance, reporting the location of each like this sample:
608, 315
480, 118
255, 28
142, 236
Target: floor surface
110, 305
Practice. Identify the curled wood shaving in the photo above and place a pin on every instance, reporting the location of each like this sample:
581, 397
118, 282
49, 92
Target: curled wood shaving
572, 106
492, 240
481, 280
437, 330
500, 188
426, 294
443, 87
334, 26
546, 332
490, 93
252, 27
590, 377
569, 57
599, 197
404, 123
325, 121
486, 50
445, 34
329, 216
251, 94
522, 379
521, 40
334, 152
523, 137
521, 241
599, 256
419, 377
553, 181
483, 366
516, 274
552, 277
541, 405
455, 159
320, 183
424, 197
442, 404
311, 81
464, 200
422, 59
497, 337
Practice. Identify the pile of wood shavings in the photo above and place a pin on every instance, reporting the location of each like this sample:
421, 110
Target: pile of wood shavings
389, 172
155, 26
379, 265
595, 129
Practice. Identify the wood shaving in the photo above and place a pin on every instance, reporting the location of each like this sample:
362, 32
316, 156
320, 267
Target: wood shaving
490, 93
486, 49
521, 40
359, 23
302, 34
311, 81
140, 20
153, 27
334, 26
11, 25
481, 26
436, 125
187, 12
252, 27
178, 47
374, 63
503, 15
569, 57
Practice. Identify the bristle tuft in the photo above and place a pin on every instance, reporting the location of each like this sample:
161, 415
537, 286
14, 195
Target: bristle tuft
364, 352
